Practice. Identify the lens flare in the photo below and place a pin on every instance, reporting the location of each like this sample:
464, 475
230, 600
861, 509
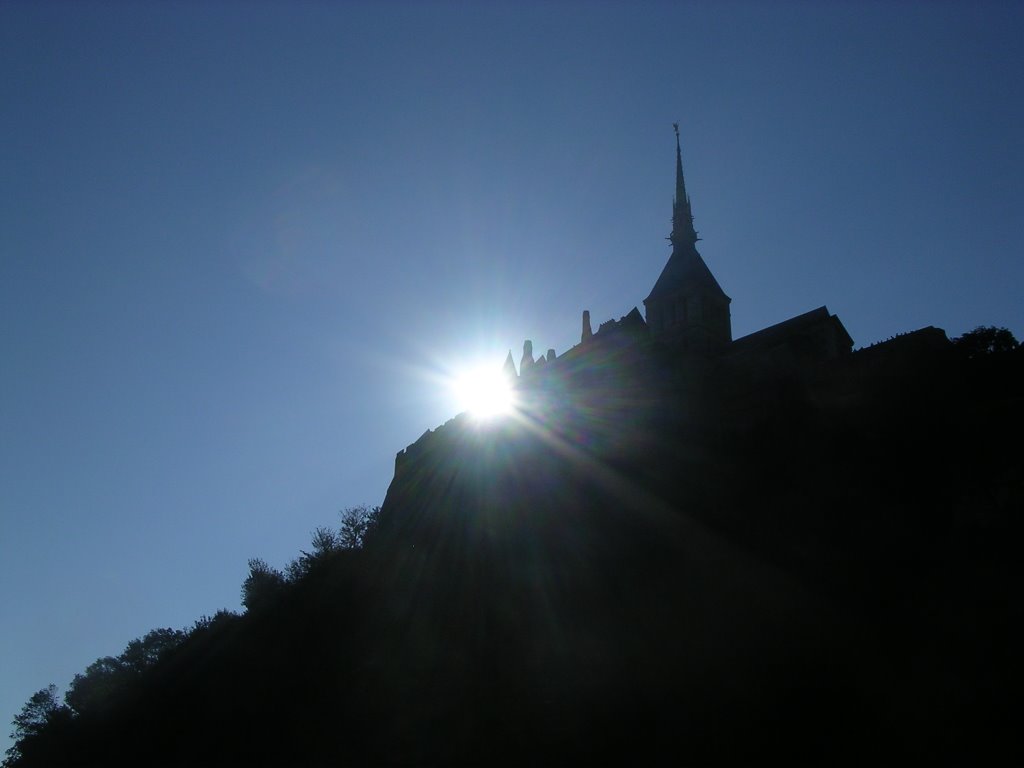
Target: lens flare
484, 392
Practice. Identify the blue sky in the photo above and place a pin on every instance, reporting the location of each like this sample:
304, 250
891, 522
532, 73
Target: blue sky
241, 244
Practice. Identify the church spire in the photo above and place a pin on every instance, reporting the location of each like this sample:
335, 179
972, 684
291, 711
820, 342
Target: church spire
683, 232
509, 369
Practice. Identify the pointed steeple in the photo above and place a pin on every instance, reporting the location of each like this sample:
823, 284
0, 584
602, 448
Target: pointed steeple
683, 233
687, 306
509, 369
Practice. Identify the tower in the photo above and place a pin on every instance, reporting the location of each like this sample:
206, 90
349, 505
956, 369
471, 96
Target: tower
687, 306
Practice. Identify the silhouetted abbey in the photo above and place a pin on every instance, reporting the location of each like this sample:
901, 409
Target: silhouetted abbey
687, 329
683, 549
688, 311
690, 549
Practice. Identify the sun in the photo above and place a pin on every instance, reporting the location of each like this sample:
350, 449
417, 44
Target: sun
485, 392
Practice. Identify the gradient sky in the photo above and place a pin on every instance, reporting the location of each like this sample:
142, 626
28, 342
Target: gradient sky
242, 244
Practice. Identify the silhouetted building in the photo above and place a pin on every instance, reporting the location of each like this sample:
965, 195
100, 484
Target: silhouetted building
814, 335
526, 362
687, 306
688, 313
509, 369
685, 346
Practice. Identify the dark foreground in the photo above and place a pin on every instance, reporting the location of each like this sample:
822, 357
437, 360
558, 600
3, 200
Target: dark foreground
668, 572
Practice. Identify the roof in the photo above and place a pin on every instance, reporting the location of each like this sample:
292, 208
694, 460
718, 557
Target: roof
780, 332
685, 270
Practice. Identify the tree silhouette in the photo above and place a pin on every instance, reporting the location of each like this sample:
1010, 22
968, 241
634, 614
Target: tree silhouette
985, 340
42, 713
145, 652
325, 541
357, 523
94, 690
261, 585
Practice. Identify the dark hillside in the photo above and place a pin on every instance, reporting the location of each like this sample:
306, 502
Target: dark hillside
828, 574
659, 561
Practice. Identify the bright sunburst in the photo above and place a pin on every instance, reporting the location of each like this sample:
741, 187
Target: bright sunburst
485, 392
